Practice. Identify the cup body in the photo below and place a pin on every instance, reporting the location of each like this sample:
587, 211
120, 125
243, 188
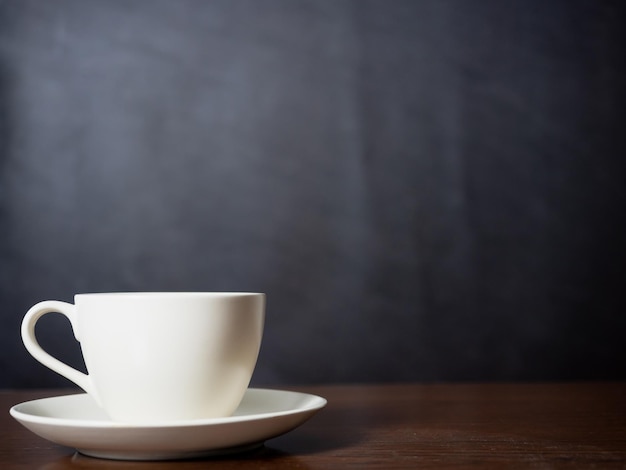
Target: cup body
157, 357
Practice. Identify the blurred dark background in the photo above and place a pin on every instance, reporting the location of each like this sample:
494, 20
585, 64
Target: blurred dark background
426, 190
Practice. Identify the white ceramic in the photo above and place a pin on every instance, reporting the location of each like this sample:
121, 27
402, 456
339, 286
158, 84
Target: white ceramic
159, 356
76, 421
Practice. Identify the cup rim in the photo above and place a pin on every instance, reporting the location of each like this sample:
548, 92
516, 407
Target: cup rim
155, 294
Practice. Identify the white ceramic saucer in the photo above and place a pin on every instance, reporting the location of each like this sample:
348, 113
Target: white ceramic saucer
76, 421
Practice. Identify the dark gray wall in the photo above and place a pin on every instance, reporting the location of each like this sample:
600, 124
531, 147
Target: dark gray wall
426, 190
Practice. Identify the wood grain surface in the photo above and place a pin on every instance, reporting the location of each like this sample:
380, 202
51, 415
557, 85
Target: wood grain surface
560, 425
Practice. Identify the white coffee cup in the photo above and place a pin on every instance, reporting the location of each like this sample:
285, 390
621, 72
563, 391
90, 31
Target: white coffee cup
162, 356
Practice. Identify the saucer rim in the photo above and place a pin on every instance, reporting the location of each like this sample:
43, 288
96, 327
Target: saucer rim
317, 404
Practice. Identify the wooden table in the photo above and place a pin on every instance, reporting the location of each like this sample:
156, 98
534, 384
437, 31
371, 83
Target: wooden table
578, 425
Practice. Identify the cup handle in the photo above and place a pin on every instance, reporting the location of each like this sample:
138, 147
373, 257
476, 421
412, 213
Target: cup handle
32, 345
